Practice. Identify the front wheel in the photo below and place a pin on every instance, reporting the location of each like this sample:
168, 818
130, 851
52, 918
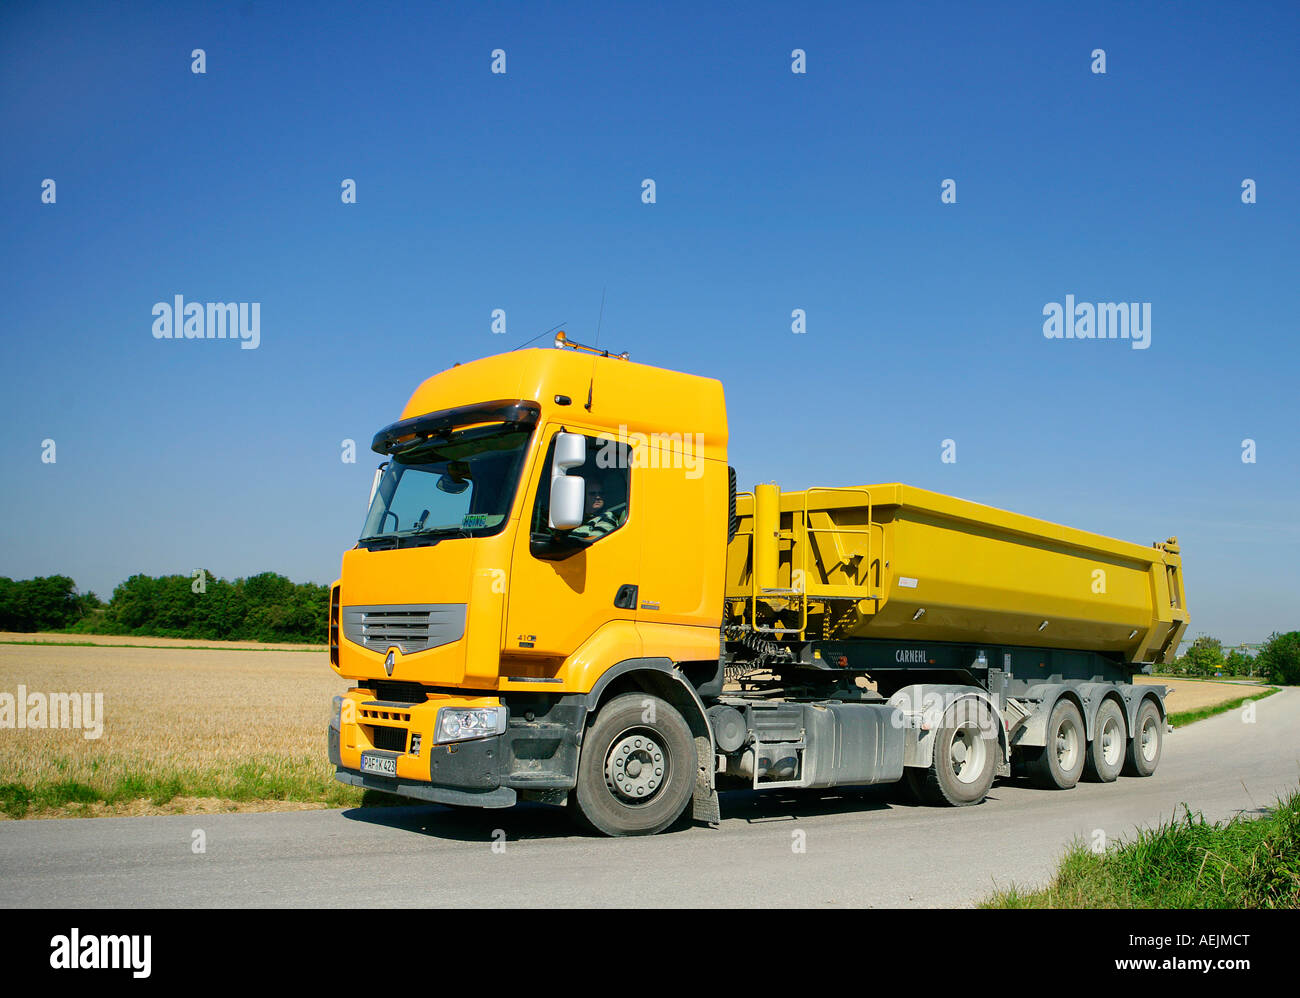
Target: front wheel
636, 772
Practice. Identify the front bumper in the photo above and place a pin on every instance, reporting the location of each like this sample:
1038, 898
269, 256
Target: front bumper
536, 755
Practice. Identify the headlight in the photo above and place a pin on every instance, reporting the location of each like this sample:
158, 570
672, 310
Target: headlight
458, 723
336, 714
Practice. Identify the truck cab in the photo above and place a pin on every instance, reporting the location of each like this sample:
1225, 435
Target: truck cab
482, 627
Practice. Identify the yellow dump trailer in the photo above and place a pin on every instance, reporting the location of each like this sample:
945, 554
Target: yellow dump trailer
899, 563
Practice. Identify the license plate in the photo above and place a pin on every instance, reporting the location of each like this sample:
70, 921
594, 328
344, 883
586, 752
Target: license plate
380, 765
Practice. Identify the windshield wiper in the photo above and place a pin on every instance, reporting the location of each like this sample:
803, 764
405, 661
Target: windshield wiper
437, 531
414, 538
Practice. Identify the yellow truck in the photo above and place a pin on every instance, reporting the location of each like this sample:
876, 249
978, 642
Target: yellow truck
559, 595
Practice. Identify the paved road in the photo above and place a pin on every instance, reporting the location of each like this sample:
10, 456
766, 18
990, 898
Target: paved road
861, 849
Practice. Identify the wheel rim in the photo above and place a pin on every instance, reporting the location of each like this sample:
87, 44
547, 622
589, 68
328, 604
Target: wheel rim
636, 767
969, 754
1150, 738
1112, 741
1067, 745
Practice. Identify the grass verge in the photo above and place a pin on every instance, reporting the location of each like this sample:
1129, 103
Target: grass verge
1187, 862
1182, 718
256, 782
216, 646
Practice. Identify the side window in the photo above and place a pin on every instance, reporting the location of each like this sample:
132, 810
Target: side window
607, 475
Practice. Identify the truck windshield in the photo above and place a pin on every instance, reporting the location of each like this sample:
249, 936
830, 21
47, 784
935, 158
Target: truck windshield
459, 483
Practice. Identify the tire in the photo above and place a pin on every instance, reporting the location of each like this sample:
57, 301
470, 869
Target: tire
620, 789
965, 759
1059, 764
1105, 757
1144, 747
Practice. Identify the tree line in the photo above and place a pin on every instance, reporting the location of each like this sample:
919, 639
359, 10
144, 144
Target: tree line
265, 607
1278, 660
269, 607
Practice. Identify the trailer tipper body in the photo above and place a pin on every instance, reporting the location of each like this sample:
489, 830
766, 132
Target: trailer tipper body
559, 595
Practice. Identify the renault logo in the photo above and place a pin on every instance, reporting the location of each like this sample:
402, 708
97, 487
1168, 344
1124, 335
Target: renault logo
389, 660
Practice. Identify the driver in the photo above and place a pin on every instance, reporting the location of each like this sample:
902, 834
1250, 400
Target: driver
602, 514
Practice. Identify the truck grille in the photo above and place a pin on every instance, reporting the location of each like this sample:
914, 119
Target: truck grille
409, 626
393, 691
389, 739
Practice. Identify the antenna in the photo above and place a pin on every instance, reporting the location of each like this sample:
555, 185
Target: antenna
538, 336
600, 319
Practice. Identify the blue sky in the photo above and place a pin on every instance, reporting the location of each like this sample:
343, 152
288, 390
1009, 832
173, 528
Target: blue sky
775, 191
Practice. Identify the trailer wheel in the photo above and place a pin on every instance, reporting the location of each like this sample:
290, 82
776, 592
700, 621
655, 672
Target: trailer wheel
1144, 747
1059, 764
965, 758
636, 772
1106, 751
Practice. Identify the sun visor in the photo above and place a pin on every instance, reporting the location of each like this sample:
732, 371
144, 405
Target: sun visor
405, 432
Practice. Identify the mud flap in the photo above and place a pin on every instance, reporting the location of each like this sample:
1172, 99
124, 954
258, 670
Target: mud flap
704, 802
704, 805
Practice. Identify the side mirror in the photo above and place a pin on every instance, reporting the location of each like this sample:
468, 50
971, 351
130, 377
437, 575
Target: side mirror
568, 492
567, 495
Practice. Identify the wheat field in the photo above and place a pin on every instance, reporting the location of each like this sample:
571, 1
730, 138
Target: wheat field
233, 724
